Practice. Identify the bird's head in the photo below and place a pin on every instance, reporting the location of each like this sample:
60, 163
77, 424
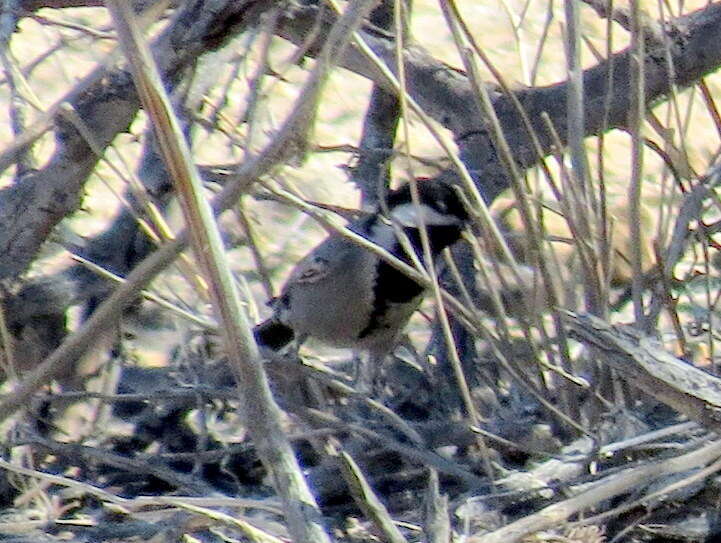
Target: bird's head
438, 205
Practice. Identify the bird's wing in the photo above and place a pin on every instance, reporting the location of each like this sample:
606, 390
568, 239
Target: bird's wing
311, 270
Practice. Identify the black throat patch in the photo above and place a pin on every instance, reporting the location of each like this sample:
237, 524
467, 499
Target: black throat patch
393, 286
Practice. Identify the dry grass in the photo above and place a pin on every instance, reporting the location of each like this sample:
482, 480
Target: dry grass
524, 40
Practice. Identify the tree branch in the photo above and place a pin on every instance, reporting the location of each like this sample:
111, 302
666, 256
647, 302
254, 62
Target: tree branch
446, 94
106, 105
642, 362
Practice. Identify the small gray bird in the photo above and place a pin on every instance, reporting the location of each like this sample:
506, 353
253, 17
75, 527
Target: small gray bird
347, 296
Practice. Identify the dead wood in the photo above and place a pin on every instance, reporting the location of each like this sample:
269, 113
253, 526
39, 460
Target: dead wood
644, 364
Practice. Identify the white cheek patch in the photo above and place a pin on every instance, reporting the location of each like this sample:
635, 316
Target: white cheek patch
409, 215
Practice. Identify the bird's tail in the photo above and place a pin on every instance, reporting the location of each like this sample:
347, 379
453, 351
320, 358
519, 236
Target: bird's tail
273, 334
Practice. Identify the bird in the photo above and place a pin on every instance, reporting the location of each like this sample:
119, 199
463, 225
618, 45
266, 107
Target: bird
346, 295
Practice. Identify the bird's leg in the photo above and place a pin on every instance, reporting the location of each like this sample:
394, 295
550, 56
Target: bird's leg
363, 374
369, 378
299, 341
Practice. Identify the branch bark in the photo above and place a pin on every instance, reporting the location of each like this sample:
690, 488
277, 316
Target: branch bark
609, 487
446, 94
31, 208
106, 104
644, 364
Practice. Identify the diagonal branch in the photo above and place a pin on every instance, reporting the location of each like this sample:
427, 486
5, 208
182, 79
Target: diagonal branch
107, 104
643, 362
446, 94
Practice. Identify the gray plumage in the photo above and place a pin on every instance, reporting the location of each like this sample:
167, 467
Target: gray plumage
345, 295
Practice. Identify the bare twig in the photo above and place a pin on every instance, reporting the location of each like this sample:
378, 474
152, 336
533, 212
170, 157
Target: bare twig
622, 15
609, 487
636, 116
367, 499
262, 415
643, 363
437, 521
414, 454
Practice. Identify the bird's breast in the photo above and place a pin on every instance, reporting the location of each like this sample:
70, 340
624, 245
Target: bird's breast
336, 309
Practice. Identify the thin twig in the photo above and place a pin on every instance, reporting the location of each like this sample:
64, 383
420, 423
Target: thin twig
367, 499
609, 487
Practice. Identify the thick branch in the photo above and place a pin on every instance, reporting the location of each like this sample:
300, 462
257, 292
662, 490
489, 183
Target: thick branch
446, 94
31, 208
643, 363
106, 105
